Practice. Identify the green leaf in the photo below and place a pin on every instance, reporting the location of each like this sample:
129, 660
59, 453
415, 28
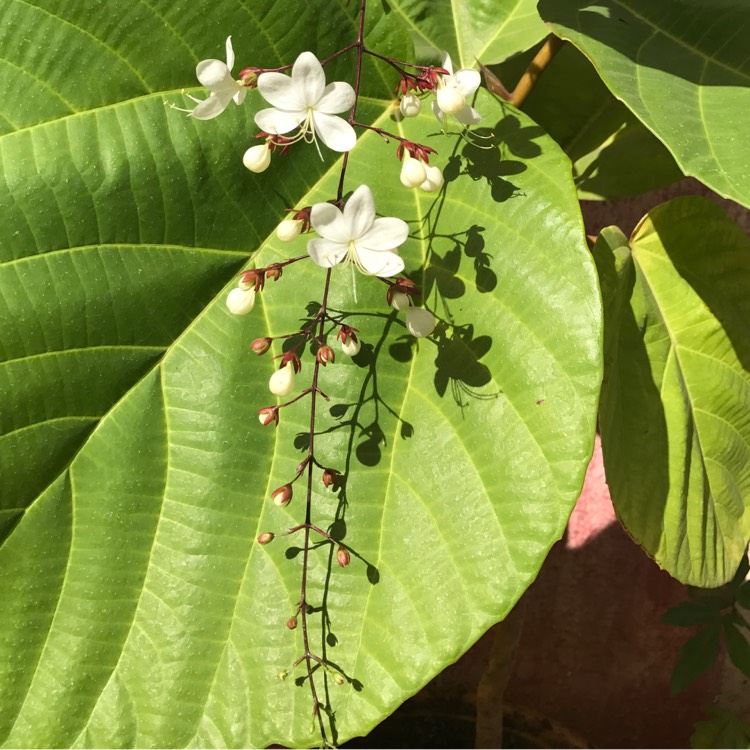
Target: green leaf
675, 436
737, 647
682, 69
723, 729
696, 656
469, 30
138, 609
613, 154
689, 614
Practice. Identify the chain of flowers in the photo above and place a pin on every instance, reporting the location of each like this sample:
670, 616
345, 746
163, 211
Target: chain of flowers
348, 231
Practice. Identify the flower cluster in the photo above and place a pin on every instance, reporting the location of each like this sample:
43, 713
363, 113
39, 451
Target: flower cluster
305, 108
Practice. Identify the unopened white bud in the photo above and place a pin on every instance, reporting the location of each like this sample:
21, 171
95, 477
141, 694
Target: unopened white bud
420, 322
412, 172
240, 301
351, 346
450, 100
289, 230
434, 180
400, 301
281, 383
410, 105
257, 158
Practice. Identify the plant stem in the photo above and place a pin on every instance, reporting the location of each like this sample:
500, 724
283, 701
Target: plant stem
549, 49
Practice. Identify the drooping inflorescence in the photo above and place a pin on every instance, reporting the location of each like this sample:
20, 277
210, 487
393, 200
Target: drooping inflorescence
305, 109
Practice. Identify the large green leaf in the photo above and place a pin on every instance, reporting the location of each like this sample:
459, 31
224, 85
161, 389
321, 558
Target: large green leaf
682, 67
613, 154
138, 610
486, 30
674, 416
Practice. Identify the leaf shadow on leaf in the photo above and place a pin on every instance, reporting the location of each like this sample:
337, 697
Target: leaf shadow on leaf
636, 468
678, 50
369, 453
720, 278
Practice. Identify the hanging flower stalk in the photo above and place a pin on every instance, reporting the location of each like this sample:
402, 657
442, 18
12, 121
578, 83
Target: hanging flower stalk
306, 109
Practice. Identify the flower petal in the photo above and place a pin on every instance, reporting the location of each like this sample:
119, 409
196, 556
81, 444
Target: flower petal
380, 263
335, 132
230, 53
309, 78
467, 81
239, 95
274, 121
212, 107
280, 92
468, 116
337, 97
329, 223
437, 111
326, 253
385, 234
359, 212
212, 73
447, 64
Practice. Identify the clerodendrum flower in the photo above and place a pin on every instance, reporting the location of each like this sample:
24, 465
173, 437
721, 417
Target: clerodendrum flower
216, 76
303, 100
453, 91
355, 235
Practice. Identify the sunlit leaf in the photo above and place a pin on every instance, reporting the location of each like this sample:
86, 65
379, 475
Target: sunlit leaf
682, 68
138, 609
673, 415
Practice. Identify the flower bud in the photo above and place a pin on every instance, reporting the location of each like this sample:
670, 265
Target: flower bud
261, 346
433, 181
282, 496
268, 414
266, 537
412, 172
342, 557
420, 322
288, 230
400, 301
330, 477
338, 678
351, 346
410, 105
324, 355
240, 301
257, 158
291, 623
281, 383
450, 100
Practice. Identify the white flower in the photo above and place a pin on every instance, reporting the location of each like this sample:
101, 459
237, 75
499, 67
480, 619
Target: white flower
306, 102
412, 172
281, 383
355, 235
216, 76
433, 179
453, 91
420, 322
257, 158
240, 301
410, 105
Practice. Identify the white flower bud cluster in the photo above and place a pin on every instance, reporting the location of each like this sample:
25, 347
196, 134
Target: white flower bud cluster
415, 174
